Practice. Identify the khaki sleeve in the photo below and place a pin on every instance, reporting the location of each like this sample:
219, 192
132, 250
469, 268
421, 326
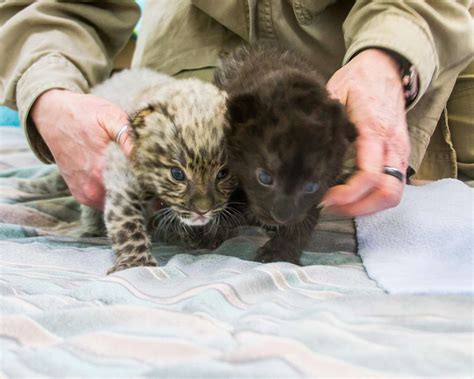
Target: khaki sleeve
54, 44
433, 35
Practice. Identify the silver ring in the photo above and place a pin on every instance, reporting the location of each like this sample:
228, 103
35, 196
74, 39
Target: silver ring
122, 130
392, 171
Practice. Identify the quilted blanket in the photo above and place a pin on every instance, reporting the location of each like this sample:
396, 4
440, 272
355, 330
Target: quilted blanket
204, 313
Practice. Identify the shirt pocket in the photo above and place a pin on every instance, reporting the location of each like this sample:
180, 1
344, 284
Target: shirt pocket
306, 10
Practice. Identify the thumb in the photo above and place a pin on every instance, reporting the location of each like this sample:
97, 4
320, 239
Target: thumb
337, 88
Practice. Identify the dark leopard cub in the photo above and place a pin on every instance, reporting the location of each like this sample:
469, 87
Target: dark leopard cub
286, 142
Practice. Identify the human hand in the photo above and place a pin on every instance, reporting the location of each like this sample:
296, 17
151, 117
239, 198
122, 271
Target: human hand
77, 129
371, 89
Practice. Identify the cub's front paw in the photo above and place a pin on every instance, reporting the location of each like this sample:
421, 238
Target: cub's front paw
129, 263
278, 252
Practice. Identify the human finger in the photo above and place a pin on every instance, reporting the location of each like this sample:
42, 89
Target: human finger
387, 196
386, 193
370, 155
123, 139
116, 123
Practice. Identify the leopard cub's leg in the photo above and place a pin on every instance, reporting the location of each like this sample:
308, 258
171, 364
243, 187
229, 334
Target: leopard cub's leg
288, 243
124, 218
126, 229
92, 222
50, 184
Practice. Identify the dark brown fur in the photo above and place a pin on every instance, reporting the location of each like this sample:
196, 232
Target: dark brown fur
283, 121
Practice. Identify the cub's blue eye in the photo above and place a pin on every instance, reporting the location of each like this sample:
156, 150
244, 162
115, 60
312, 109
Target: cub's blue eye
264, 177
311, 187
222, 173
178, 174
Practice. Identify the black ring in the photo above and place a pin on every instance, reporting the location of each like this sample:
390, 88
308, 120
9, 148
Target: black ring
393, 172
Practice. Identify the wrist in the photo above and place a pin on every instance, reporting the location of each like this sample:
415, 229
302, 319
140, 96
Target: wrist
382, 57
43, 106
408, 75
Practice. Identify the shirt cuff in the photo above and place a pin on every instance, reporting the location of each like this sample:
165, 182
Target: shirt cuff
48, 72
403, 36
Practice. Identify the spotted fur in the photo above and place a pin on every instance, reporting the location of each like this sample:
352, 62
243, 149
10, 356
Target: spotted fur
175, 124
284, 123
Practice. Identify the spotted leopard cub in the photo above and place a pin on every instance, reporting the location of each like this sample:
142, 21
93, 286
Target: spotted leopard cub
178, 161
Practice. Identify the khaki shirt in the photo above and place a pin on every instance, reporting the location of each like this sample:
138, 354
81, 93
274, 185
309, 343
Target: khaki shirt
73, 45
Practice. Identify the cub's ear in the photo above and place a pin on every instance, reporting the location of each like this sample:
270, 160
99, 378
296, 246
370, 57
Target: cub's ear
242, 108
138, 120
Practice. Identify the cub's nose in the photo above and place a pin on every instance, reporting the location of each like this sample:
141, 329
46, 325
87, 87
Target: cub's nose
281, 218
283, 210
201, 212
201, 206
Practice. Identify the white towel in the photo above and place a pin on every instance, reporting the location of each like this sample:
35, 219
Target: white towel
425, 244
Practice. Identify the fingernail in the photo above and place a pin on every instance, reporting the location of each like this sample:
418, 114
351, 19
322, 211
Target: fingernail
324, 204
330, 212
